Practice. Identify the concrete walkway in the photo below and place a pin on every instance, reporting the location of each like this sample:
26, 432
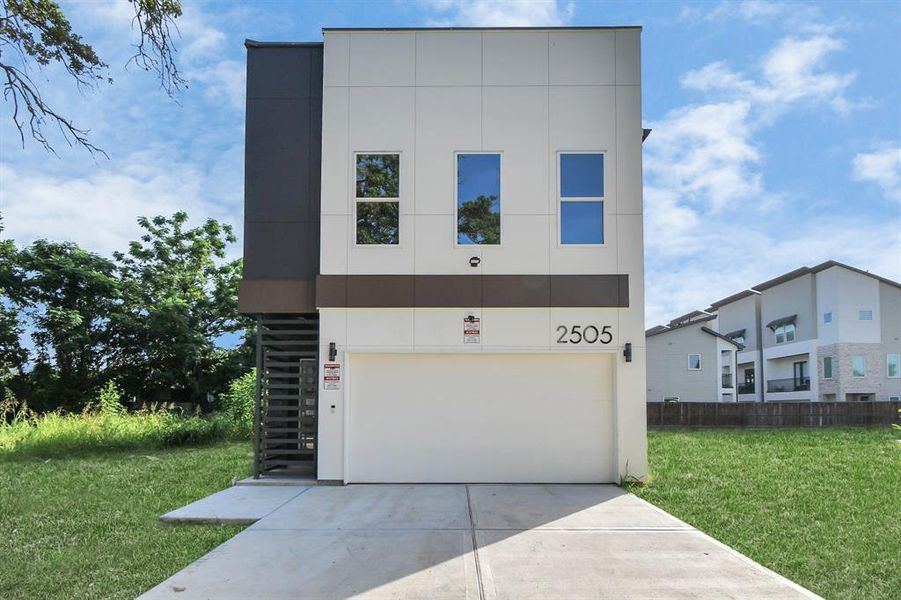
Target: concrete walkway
471, 541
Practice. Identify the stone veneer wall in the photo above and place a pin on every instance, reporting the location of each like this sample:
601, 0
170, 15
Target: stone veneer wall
843, 382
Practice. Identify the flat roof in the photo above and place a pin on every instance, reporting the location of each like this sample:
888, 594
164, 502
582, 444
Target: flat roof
553, 28
255, 44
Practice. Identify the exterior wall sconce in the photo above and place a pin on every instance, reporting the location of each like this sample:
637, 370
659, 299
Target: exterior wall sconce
627, 352
474, 261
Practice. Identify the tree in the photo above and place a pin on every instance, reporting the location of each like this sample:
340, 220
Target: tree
36, 33
69, 295
478, 222
179, 297
12, 355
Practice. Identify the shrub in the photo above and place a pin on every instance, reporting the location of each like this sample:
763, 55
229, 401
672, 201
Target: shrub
55, 434
110, 400
238, 402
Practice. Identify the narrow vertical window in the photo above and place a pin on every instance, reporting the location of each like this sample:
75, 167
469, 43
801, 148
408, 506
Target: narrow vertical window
859, 366
478, 199
893, 366
581, 198
827, 317
378, 199
827, 367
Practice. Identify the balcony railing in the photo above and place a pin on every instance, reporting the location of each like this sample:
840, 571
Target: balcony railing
727, 380
792, 384
745, 388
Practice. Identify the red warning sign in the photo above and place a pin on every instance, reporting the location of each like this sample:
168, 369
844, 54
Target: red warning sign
472, 330
331, 376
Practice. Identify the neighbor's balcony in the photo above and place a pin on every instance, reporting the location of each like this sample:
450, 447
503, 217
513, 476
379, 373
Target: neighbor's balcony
745, 388
788, 385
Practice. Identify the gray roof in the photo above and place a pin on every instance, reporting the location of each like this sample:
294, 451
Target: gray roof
781, 321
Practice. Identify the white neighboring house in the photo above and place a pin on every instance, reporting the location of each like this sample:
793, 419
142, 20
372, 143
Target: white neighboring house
825, 333
691, 361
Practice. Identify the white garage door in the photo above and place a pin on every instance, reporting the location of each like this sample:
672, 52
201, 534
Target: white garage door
480, 418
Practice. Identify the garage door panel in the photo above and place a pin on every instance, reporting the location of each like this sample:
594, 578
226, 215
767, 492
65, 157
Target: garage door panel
480, 418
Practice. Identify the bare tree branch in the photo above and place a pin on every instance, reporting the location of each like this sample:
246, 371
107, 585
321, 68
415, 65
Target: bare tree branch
156, 49
36, 32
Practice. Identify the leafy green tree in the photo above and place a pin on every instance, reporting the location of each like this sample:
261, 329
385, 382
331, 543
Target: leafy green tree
179, 297
70, 294
36, 33
478, 222
12, 355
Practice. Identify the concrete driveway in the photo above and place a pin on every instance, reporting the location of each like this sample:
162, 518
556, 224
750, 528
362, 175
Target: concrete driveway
469, 541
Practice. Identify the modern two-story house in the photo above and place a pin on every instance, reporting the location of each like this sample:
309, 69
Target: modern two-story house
443, 250
825, 333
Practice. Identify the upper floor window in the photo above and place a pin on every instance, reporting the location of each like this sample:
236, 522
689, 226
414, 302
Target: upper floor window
694, 362
581, 198
893, 366
478, 198
859, 366
827, 367
785, 333
740, 340
827, 317
377, 199
865, 315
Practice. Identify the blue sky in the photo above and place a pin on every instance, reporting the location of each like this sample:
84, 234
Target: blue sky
776, 143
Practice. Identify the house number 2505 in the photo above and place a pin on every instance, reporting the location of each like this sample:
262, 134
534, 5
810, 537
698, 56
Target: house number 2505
576, 334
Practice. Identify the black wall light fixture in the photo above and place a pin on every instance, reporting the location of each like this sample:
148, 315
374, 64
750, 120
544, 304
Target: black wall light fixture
474, 261
627, 352
332, 352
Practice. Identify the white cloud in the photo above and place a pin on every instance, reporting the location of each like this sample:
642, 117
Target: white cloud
708, 209
882, 167
98, 210
499, 13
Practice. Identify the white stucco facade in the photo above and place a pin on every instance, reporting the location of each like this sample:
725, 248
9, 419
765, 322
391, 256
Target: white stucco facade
416, 401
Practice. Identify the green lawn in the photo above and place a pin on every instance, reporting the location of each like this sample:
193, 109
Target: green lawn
88, 527
821, 507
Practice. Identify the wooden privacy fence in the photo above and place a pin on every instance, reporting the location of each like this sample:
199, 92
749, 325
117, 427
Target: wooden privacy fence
766, 415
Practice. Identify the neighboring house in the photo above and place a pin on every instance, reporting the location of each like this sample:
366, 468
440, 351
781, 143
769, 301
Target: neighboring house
825, 333
444, 250
691, 361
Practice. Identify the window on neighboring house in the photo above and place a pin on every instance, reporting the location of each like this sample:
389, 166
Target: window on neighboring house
740, 340
827, 367
581, 198
785, 333
893, 366
865, 315
694, 362
478, 199
827, 317
377, 197
859, 366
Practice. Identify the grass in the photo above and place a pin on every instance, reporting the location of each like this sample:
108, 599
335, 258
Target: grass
820, 507
87, 526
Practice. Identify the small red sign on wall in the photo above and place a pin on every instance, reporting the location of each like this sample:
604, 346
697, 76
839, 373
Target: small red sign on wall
331, 376
472, 330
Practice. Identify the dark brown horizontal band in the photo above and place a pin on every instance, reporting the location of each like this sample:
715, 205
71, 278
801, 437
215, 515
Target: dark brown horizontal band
276, 296
469, 291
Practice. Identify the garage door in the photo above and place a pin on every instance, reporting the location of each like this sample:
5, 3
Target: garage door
480, 418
